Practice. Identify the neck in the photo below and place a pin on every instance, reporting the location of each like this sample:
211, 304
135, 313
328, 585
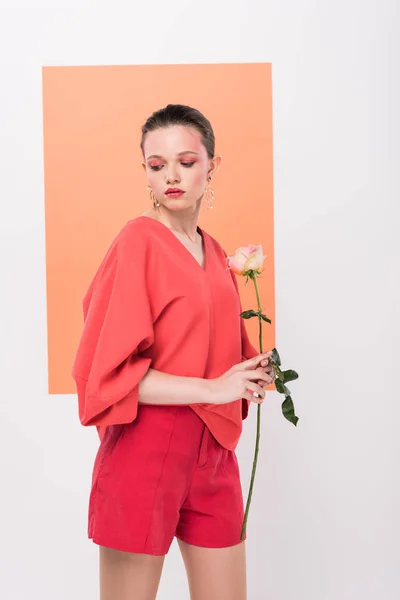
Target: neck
181, 222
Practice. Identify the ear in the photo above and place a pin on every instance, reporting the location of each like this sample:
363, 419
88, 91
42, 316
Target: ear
144, 165
214, 165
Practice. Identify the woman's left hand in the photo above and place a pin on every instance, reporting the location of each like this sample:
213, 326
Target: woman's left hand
268, 368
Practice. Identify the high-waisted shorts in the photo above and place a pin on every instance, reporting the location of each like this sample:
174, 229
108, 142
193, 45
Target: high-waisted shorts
164, 475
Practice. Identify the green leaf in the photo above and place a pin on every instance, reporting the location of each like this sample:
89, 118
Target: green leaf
289, 375
247, 314
265, 318
281, 387
279, 374
288, 410
275, 357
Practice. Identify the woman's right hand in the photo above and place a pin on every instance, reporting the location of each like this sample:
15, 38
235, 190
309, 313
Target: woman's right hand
240, 381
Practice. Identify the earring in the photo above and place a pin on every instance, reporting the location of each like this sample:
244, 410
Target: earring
156, 203
209, 194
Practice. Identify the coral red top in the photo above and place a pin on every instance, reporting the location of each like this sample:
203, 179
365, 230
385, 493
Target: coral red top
151, 304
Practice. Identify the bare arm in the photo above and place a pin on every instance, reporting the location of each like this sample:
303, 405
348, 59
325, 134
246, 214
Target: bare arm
173, 390
164, 389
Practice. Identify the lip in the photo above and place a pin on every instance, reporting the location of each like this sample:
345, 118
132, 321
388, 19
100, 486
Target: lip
174, 191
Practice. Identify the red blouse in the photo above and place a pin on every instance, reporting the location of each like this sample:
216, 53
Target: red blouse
151, 304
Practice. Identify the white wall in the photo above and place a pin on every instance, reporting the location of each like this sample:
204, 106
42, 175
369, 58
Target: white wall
325, 521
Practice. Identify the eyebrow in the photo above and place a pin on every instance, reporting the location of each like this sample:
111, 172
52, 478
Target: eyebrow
180, 154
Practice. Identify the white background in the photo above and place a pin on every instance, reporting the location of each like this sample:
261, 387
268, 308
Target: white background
324, 523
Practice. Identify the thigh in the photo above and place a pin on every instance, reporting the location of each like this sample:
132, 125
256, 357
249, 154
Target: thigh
215, 573
128, 576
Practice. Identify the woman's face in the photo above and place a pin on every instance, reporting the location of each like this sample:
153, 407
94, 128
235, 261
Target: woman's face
175, 157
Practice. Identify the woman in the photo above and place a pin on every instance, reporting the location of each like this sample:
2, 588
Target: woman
166, 372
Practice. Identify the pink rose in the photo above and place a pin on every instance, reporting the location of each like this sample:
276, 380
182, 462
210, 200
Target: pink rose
248, 261
246, 258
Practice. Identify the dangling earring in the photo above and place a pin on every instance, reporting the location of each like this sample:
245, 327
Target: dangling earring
156, 203
209, 194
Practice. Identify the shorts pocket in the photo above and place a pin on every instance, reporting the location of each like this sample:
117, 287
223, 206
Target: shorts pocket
230, 468
110, 441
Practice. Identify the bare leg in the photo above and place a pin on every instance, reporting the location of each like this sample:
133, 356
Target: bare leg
215, 573
128, 576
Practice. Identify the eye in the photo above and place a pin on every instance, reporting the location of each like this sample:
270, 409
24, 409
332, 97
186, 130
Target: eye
184, 164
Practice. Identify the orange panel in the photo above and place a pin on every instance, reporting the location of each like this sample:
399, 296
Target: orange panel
94, 182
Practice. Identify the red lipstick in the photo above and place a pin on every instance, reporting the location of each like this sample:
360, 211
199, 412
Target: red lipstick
174, 192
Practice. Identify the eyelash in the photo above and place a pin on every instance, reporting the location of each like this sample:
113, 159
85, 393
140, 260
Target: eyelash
158, 167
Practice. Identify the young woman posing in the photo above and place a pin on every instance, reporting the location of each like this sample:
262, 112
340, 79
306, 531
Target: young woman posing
166, 372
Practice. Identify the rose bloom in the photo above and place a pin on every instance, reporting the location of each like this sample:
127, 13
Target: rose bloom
246, 258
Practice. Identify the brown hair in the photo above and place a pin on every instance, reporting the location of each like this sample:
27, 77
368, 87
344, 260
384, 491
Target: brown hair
179, 114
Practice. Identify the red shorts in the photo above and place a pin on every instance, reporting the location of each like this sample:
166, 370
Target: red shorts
164, 475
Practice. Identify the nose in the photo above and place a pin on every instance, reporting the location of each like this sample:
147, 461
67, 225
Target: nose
172, 175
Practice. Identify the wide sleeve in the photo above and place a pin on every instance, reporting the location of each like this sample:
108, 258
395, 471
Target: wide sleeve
118, 326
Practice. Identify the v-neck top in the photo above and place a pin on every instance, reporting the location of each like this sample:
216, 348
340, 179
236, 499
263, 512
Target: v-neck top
151, 304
